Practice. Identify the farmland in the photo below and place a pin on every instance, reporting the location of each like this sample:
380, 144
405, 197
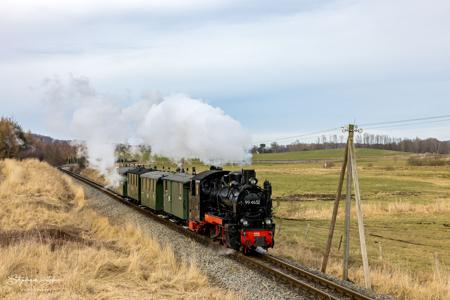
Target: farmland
406, 208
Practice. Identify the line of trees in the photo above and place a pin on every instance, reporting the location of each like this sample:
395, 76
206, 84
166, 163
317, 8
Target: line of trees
366, 140
15, 143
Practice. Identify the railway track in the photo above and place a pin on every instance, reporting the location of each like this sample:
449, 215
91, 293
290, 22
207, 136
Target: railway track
298, 278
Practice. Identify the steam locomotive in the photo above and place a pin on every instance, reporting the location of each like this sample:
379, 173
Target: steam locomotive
229, 206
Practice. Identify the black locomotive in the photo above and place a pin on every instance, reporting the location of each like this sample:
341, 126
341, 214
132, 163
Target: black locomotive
232, 207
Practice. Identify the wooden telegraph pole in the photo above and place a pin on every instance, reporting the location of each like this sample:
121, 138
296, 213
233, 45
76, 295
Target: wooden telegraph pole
352, 177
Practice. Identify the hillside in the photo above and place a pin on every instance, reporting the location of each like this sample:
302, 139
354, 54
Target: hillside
326, 154
15, 143
53, 246
47, 139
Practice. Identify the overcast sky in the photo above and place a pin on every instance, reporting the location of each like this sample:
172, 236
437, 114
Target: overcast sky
279, 67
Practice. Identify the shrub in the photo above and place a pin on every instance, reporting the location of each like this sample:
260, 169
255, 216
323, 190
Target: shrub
434, 160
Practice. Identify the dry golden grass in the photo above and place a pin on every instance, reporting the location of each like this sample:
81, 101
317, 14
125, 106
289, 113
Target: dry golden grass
386, 279
93, 175
306, 211
53, 247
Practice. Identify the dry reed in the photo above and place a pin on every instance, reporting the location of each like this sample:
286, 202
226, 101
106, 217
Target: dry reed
53, 247
386, 279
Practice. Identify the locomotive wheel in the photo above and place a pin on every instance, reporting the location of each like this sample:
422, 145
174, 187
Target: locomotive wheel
214, 232
248, 251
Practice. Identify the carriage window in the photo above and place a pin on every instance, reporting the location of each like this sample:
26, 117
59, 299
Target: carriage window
180, 188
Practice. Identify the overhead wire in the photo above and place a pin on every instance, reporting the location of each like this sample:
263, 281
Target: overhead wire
407, 124
369, 126
309, 134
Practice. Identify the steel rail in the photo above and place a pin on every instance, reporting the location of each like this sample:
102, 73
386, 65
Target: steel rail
298, 278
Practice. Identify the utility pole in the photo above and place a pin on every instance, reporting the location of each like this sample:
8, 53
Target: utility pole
352, 177
348, 206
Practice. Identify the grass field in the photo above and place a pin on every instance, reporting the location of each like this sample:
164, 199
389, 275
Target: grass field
406, 209
52, 246
329, 154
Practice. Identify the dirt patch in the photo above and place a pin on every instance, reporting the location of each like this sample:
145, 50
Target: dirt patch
398, 240
332, 197
54, 236
307, 197
401, 193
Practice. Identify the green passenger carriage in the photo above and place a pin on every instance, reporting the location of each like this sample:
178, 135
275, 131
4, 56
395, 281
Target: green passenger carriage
123, 173
152, 189
176, 194
134, 183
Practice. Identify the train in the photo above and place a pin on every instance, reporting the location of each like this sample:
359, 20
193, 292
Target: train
229, 206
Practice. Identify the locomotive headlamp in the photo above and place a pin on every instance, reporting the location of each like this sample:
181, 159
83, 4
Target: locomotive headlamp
253, 181
268, 221
244, 222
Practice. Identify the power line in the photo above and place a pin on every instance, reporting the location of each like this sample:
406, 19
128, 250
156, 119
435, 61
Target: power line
367, 125
407, 124
310, 134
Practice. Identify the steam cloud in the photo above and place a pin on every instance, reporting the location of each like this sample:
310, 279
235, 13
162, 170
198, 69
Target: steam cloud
175, 126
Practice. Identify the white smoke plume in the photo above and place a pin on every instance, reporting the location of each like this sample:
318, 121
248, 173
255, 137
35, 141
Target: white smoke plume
175, 126
182, 127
